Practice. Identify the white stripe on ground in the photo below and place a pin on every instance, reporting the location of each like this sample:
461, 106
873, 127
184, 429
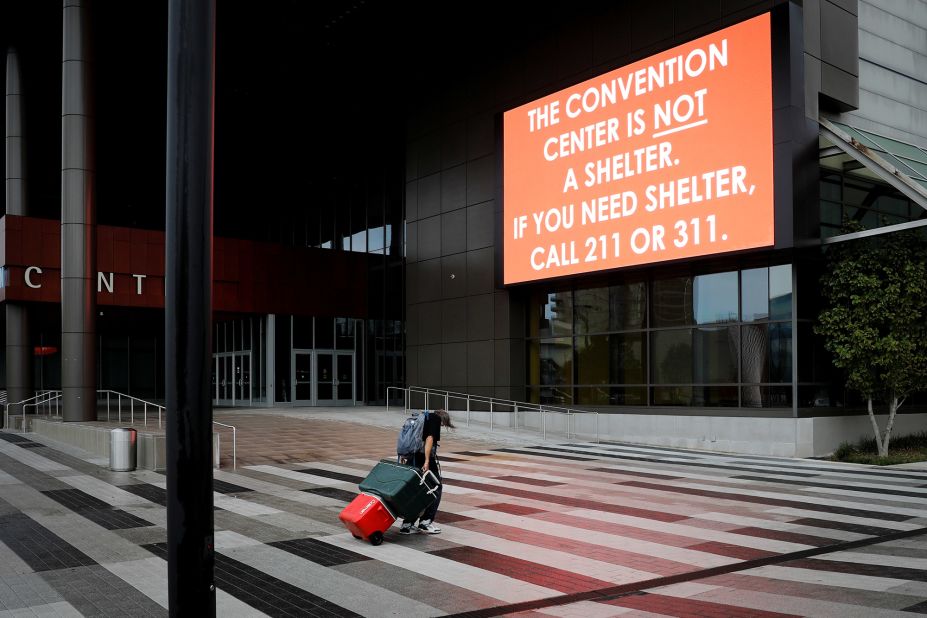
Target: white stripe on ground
343, 590
494, 585
598, 569
692, 532
614, 541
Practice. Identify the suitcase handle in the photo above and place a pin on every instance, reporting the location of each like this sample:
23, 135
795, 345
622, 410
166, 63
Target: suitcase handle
424, 476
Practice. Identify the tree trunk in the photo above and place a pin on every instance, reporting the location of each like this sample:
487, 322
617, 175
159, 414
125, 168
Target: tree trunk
875, 426
892, 410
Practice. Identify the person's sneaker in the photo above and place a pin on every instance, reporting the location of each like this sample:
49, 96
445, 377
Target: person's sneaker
428, 528
405, 529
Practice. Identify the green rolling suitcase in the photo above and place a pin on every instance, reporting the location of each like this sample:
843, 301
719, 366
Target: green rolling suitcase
406, 490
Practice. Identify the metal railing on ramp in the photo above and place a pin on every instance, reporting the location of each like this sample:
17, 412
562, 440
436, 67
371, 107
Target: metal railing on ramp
507, 414
116, 405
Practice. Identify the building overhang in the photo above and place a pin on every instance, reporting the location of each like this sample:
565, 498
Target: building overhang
901, 165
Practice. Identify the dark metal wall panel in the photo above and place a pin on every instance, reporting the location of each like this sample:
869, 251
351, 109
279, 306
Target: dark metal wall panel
453, 124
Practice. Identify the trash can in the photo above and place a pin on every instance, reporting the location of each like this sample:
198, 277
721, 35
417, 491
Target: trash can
122, 449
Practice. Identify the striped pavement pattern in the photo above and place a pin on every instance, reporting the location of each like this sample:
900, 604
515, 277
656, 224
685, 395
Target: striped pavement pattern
575, 529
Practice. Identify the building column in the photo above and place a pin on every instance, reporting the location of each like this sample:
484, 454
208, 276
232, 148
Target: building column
19, 384
19, 359
78, 217
188, 247
270, 358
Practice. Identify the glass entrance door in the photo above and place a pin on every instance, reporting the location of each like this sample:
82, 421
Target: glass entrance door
344, 378
231, 379
302, 377
224, 380
334, 378
242, 379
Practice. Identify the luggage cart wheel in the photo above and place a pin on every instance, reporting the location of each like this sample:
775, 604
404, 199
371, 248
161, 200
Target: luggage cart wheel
376, 538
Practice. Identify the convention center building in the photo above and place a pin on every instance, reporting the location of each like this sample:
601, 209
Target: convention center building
619, 207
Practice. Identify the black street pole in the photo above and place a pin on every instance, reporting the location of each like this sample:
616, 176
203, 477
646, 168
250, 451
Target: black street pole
188, 307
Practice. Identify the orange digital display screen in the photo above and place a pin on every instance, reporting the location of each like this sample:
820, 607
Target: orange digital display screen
670, 157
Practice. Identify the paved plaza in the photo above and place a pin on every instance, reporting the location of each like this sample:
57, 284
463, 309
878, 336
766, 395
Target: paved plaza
556, 528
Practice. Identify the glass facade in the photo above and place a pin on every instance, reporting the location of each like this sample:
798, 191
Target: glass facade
384, 366
239, 362
846, 197
129, 364
130, 356
316, 360
360, 214
712, 340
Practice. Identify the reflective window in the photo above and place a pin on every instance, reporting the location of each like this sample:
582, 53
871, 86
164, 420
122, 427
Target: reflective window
618, 307
549, 395
754, 294
831, 213
343, 223
754, 363
672, 356
612, 395
703, 396
551, 315
551, 371
376, 240
672, 302
893, 205
723, 339
764, 396
714, 354
592, 310
780, 352
715, 396
715, 298
704, 299
830, 186
344, 333
375, 235
238, 368
358, 241
611, 359
556, 357
780, 292
357, 228
671, 395
388, 237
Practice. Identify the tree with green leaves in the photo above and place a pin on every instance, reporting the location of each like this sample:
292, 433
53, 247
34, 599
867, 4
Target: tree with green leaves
875, 323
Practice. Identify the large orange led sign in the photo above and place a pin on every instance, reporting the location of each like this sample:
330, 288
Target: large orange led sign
670, 157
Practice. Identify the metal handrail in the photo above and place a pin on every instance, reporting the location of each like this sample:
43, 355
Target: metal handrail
513, 407
41, 397
234, 445
132, 400
46, 397
145, 405
49, 397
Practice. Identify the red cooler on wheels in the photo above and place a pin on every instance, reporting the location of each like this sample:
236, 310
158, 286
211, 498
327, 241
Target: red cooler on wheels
367, 517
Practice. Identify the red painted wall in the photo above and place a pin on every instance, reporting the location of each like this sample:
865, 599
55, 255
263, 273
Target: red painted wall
248, 276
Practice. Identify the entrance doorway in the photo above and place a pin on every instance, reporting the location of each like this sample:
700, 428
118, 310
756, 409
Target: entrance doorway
302, 377
231, 378
323, 378
334, 378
